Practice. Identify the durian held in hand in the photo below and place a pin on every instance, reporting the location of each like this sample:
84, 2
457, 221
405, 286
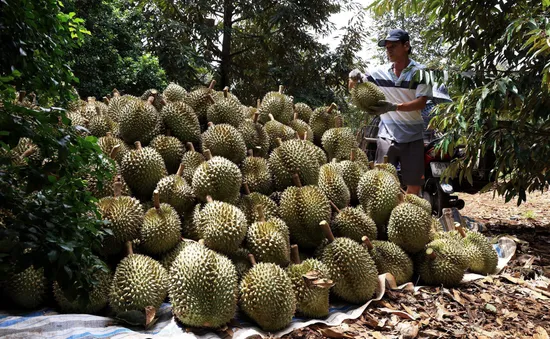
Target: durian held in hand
367, 96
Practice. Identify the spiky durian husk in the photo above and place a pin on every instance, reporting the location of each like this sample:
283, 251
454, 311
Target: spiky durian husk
338, 142
142, 169
219, 178
302, 128
107, 143
255, 137
276, 130
351, 172
174, 92
171, 150
266, 296
304, 111
409, 227
190, 161
390, 258
139, 282
28, 288
333, 186
249, 204
199, 101
365, 95
448, 266
125, 215
312, 301
139, 121
182, 121
353, 223
321, 121
293, 156
226, 111
161, 230
269, 241
257, 175
224, 140
277, 104
175, 190
99, 296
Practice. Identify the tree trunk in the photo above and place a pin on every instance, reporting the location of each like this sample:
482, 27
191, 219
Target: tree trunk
225, 66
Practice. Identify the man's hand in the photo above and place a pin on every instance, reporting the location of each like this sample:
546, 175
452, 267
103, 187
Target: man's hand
354, 77
382, 107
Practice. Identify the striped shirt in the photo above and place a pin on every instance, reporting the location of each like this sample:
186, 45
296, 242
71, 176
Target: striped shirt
395, 125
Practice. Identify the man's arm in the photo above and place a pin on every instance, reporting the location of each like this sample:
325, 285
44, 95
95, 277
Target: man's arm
417, 104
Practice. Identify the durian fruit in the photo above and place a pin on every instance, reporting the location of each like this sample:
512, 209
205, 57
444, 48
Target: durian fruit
158, 100
168, 258
221, 95
174, 92
302, 128
161, 228
482, 257
302, 209
257, 174
333, 186
418, 201
351, 172
101, 189
338, 141
254, 135
303, 111
125, 216
217, 177
365, 95
409, 227
362, 159
116, 106
190, 161
170, 149
353, 223
311, 282
316, 152
139, 282
387, 166
293, 156
267, 296
268, 240
200, 99
442, 263
203, 287
222, 226
107, 143
241, 262
176, 192
27, 289
277, 104
90, 109
351, 267
139, 121
276, 130
99, 125
435, 228
26, 151
248, 202
180, 118
390, 258
191, 224
142, 169
77, 119
323, 119
225, 141
377, 192
226, 110
99, 295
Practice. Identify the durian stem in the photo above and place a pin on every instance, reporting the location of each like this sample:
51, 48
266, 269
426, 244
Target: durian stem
366, 242
225, 91
22, 95
386, 159
331, 108
151, 99
334, 206
246, 188
430, 253
460, 230
180, 170
138, 145
261, 215
109, 134
190, 146
201, 241
403, 191
295, 115
212, 84
129, 248
105, 100
400, 198
296, 180
295, 254
352, 155
210, 99
251, 259
117, 187
116, 93
156, 200
30, 151
256, 116
250, 153
338, 122
271, 117
281, 89
210, 124
258, 103
279, 142
209, 199
305, 136
114, 151
448, 219
371, 164
91, 100
207, 154
298, 136
168, 132
326, 229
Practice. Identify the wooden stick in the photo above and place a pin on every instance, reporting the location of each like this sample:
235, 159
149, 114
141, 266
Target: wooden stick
334, 206
305, 136
400, 198
295, 115
326, 229
258, 103
261, 215
150, 100
181, 168
22, 95
106, 100
250, 153
338, 122
386, 159
210, 99
366, 242
295, 254
30, 151
210, 124
251, 259
109, 134
156, 200
296, 180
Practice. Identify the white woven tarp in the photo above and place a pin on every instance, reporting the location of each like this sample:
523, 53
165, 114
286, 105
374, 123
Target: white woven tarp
46, 323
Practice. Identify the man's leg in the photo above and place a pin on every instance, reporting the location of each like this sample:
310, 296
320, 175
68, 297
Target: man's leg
412, 165
386, 147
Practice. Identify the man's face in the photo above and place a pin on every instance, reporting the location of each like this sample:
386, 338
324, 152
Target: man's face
397, 50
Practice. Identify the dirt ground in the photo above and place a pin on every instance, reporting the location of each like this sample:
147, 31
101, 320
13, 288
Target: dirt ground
514, 304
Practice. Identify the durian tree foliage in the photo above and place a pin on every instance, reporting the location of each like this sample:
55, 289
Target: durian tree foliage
47, 218
500, 85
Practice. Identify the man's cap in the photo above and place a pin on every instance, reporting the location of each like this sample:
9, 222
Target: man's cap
394, 35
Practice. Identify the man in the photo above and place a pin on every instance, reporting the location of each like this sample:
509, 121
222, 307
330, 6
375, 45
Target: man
401, 127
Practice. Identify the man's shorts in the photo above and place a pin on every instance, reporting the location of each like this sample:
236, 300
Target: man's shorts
409, 154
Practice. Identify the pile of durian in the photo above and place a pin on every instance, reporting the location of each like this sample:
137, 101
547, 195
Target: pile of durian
272, 210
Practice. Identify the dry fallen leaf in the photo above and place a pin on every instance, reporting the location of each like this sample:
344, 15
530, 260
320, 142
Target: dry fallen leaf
335, 332
486, 297
541, 333
456, 295
400, 314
